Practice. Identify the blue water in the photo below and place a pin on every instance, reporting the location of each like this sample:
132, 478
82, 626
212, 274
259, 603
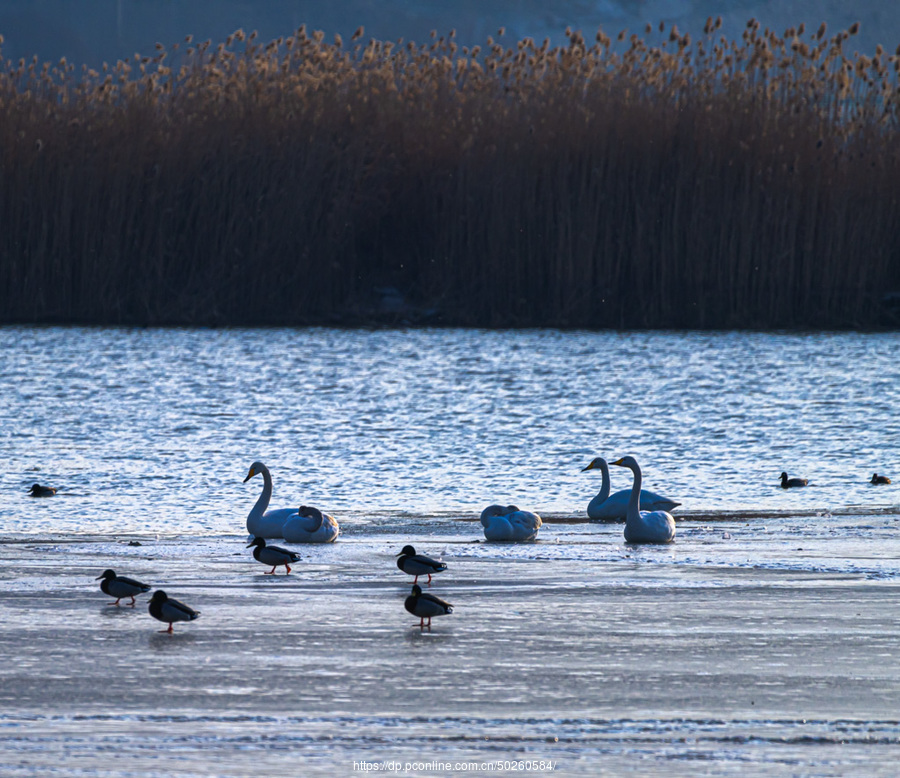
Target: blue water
154, 430
761, 642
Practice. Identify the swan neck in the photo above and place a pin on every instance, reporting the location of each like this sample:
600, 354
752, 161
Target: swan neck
634, 501
605, 486
263, 502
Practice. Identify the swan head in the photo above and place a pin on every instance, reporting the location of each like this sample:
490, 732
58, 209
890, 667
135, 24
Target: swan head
597, 463
255, 469
309, 512
261, 542
628, 461
407, 551
107, 574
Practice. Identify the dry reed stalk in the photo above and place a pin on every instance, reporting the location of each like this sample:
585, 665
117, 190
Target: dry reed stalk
693, 182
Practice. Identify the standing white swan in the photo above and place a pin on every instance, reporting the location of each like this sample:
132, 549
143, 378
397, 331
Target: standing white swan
310, 525
614, 507
509, 523
260, 522
644, 526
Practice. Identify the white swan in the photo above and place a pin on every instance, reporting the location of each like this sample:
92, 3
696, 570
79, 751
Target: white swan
310, 525
644, 526
613, 507
509, 523
260, 522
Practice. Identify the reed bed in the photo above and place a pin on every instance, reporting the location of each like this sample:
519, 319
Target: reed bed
694, 182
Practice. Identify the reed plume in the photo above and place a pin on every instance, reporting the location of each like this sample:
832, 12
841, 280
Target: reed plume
687, 182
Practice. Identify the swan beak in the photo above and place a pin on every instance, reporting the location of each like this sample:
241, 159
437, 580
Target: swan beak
618, 462
249, 476
589, 467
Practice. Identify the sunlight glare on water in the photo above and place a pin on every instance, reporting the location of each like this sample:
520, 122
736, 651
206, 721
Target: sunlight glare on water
155, 428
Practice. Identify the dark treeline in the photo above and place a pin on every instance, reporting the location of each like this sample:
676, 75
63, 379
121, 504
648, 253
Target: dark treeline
704, 183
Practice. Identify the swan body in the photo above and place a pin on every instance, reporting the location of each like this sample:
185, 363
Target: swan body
41, 491
509, 523
120, 586
644, 526
415, 564
426, 606
310, 525
260, 522
613, 507
790, 483
272, 555
164, 608
879, 479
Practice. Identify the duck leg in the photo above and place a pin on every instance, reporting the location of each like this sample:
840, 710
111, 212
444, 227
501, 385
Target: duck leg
288, 569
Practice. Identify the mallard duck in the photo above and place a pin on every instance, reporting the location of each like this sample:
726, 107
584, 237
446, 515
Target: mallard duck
310, 525
613, 507
272, 555
509, 523
644, 526
41, 491
790, 483
260, 522
415, 564
163, 608
879, 479
119, 586
426, 606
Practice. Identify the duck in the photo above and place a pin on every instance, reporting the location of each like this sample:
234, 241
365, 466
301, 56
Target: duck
310, 525
644, 526
614, 507
120, 586
426, 606
272, 555
260, 522
163, 608
509, 523
790, 483
415, 564
879, 479
41, 491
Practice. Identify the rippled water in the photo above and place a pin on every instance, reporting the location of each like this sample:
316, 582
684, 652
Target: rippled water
155, 429
760, 643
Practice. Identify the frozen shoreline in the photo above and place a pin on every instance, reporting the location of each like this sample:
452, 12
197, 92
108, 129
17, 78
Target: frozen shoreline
633, 665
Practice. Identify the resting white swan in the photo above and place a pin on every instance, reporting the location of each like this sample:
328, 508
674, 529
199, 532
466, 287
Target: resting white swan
509, 523
644, 526
260, 522
310, 525
613, 507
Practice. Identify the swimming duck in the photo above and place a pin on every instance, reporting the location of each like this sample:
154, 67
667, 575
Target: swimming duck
879, 479
120, 586
644, 526
425, 606
789, 483
310, 525
613, 507
415, 564
260, 522
163, 608
509, 523
41, 491
272, 555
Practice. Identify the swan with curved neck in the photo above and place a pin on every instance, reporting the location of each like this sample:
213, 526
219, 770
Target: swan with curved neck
310, 525
607, 507
644, 526
509, 523
260, 522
